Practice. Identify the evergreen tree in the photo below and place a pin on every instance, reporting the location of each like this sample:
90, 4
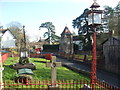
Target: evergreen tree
50, 34
112, 19
85, 32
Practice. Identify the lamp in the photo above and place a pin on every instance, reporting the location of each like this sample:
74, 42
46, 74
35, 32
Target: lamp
94, 20
94, 15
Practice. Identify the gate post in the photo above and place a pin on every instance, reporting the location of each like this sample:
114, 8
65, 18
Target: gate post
1, 82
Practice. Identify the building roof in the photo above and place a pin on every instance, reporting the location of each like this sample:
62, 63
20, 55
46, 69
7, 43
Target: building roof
4, 30
66, 31
117, 38
95, 5
114, 38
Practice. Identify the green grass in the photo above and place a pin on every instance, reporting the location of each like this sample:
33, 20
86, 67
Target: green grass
42, 72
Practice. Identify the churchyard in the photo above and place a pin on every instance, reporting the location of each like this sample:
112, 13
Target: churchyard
41, 78
42, 72
66, 62
25, 72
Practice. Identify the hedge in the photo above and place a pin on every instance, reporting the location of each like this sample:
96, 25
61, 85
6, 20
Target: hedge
51, 47
56, 47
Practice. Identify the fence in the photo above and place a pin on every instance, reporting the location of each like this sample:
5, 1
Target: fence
112, 56
4, 57
46, 56
60, 84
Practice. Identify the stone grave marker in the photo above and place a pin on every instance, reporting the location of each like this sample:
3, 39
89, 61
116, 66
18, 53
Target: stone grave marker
53, 64
24, 67
24, 60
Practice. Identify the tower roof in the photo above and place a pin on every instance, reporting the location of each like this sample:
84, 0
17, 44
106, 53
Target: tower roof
95, 5
66, 31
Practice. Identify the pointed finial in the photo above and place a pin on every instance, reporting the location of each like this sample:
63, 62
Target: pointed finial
94, 0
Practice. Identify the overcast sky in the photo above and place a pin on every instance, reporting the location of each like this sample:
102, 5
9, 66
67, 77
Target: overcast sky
32, 13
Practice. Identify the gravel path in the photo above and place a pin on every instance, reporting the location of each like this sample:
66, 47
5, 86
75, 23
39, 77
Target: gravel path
108, 77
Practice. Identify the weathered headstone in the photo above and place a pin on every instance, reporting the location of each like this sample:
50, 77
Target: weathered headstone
25, 71
53, 66
24, 67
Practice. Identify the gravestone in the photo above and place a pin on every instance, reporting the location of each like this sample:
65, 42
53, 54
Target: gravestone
24, 60
24, 67
25, 71
53, 64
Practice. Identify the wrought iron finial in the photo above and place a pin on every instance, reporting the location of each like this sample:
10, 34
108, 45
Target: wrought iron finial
95, 5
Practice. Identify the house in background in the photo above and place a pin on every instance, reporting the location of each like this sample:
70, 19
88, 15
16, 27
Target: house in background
7, 39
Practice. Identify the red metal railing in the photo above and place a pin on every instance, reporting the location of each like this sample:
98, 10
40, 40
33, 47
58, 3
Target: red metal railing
105, 85
4, 57
46, 56
45, 84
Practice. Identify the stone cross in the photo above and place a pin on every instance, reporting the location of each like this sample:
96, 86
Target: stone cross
53, 66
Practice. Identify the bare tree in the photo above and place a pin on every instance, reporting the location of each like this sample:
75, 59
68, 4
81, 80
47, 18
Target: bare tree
16, 27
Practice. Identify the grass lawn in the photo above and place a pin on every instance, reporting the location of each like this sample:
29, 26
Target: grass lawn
42, 72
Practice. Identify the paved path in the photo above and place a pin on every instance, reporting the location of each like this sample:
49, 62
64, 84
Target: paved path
108, 77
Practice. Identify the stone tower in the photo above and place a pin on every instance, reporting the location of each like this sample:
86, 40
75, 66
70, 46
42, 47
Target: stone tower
66, 42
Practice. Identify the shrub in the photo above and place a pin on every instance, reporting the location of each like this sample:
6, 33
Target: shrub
51, 47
